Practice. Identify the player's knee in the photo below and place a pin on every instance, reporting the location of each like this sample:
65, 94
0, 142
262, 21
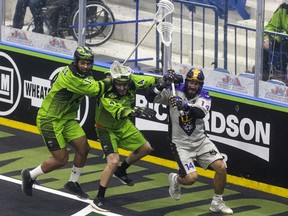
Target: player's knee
84, 150
62, 161
220, 168
147, 148
113, 161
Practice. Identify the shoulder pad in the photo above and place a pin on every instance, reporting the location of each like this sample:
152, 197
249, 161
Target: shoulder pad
205, 94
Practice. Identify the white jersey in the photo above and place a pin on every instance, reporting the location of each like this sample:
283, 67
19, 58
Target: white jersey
186, 131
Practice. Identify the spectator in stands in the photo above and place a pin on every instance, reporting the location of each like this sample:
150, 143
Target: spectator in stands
57, 11
272, 44
36, 10
56, 120
187, 107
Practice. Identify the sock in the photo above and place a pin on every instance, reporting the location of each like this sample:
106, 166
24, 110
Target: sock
36, 172
218, 197
124, 166
75, 174
101, 191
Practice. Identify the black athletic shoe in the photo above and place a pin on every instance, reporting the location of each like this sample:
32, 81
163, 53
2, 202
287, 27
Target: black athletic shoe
75, 189
122, 176
27, 182
99, 204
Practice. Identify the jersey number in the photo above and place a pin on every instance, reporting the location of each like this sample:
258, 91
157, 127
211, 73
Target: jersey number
189, 166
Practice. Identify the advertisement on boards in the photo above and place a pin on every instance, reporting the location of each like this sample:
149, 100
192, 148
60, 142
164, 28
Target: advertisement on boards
251, 138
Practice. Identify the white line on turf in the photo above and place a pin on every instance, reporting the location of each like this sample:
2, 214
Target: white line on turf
84, 211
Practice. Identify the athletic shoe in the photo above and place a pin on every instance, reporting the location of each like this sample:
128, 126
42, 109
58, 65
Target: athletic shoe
174, 189
219, 206
122, 176
75, 189
27, 182
99, 204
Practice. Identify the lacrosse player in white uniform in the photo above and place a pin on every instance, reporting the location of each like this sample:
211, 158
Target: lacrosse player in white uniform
187, 105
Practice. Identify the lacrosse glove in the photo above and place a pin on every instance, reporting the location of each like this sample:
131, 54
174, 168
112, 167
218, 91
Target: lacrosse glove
179, 103
179, 79
169, 76
143, 112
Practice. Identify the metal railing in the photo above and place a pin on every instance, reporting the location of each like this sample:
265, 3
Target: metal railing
197, 36
247, 44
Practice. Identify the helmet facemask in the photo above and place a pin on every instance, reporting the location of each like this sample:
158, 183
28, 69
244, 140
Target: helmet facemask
121, 76
122, 84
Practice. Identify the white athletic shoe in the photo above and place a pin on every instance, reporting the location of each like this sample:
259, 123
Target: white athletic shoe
174, 189
219, 206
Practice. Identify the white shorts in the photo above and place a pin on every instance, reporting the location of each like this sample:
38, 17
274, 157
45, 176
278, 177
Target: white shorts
205, 154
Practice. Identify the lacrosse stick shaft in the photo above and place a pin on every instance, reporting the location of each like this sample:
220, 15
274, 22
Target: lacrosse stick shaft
138, 44
173, 89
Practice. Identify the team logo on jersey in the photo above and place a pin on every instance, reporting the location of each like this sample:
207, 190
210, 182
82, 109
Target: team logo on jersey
141, 82
112, 95
187, 124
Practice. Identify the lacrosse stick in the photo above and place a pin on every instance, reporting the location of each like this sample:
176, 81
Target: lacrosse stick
173, 88
117, 70
165, 29
165, 7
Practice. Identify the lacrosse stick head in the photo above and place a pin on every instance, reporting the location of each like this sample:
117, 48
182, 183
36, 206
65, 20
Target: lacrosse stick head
165, 29
119, 72
165, 7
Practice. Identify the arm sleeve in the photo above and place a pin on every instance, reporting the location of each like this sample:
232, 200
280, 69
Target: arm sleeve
163, 97
143, 82
151, 94
201, 106
155, 90
117, 110
87, 86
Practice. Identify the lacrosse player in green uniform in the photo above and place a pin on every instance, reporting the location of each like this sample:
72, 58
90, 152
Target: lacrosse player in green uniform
57, 124
115, 129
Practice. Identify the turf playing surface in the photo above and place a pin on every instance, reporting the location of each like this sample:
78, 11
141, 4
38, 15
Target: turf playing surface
149, 196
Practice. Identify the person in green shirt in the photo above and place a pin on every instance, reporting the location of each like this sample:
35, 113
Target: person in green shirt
277, 23
56, 120
115, 129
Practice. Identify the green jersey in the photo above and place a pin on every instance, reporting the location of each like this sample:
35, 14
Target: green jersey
67, 93
112, 110
279, 21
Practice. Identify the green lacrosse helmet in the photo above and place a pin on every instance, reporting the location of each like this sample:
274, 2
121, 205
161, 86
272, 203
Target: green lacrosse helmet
83, 53
122, 79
